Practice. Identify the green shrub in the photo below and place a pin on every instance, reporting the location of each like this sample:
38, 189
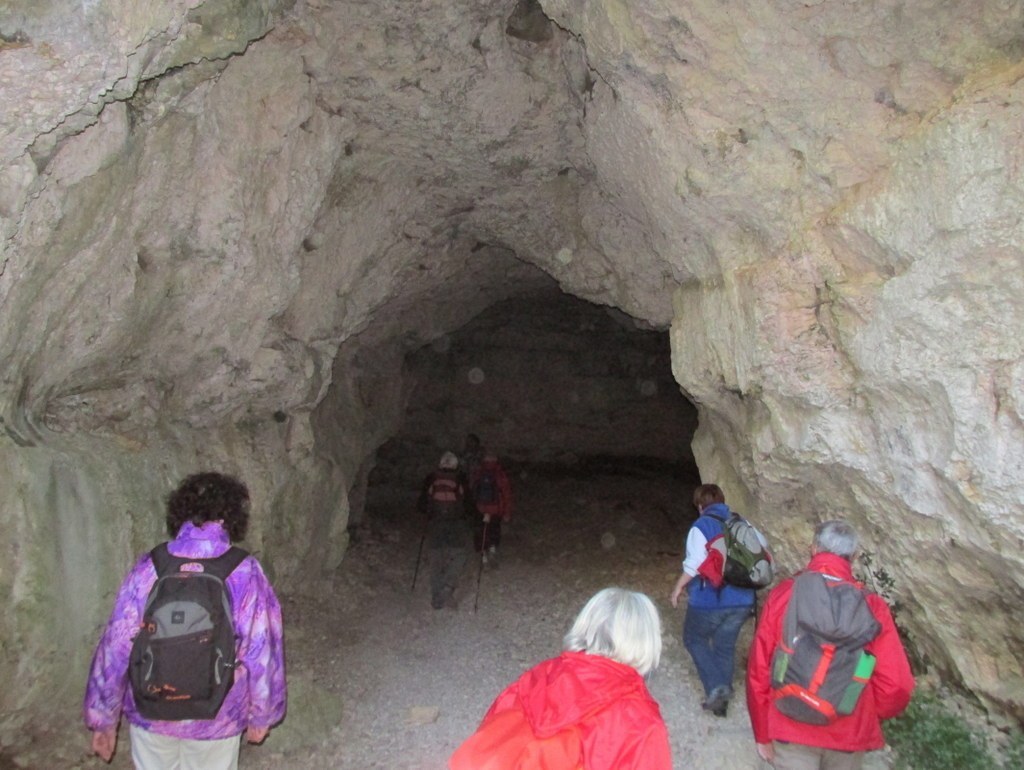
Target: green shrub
930, 737
1013, 756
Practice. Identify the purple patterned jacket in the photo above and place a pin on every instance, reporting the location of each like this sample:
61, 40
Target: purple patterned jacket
257, 698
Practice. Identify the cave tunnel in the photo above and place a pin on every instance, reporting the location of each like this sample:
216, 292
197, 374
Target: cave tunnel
556, 386
314, 244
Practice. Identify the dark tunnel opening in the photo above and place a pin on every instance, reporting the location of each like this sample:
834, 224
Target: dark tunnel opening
557, 387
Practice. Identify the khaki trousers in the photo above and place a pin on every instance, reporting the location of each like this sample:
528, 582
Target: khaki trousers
796, 756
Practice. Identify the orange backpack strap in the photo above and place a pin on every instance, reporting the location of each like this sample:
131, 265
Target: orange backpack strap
506, 742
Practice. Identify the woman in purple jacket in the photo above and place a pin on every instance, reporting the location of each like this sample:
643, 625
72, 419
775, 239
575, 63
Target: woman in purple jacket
204, 515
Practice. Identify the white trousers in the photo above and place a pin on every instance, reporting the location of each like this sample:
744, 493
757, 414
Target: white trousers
152, 751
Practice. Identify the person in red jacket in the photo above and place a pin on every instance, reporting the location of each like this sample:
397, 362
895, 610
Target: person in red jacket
589, 707
492, 494
793, 745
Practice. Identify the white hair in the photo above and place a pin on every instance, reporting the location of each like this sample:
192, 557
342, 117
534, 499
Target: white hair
621, 625
836, 536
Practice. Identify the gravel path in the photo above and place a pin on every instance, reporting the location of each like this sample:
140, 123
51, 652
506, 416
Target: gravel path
378, 679
407, 684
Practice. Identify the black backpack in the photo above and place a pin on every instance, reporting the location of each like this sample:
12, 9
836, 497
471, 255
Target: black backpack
486, 490
182, 661
820, 667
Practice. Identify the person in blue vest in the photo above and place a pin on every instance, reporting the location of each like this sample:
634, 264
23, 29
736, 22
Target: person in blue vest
714, 615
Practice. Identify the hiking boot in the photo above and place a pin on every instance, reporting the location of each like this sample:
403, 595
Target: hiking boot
718, 700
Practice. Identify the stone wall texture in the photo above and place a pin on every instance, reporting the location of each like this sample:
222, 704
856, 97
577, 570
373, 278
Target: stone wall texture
225, 224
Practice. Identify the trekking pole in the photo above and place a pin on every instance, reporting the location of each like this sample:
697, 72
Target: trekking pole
419, 556
480, 569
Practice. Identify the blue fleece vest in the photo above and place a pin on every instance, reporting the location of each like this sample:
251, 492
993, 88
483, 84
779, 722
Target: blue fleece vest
701, 594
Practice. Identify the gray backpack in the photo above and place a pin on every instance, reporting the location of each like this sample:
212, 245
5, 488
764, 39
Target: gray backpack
820, 668
182, 661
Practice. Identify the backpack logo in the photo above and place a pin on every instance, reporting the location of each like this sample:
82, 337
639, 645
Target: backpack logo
182, 660
820, 667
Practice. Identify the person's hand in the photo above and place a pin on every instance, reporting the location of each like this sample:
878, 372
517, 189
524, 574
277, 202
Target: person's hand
676, 593
487, 518
767, 752
256, 734
104, 743
677, 590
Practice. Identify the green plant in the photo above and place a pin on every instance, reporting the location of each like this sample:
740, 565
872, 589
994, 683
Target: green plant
1013, 754
930, 737
880, 580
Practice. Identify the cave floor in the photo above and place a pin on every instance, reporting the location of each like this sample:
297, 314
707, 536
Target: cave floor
378, 679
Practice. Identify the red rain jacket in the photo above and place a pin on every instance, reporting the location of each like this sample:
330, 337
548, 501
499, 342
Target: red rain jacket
887, 694
619, 723
502, 507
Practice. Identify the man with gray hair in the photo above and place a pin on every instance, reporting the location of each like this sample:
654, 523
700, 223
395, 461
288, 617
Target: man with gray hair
826, 665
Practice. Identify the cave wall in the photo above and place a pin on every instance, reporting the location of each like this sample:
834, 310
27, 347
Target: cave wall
606, 390
895, 395
852, 275
225, 224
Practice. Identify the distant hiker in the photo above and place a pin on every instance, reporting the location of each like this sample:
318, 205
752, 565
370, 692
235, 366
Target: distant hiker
173, 703
492, 494
472, 456
589, 707
714, 615
804, 714
449, 508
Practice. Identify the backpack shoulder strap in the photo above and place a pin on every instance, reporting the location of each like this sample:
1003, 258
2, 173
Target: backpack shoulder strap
163, 562
225, 564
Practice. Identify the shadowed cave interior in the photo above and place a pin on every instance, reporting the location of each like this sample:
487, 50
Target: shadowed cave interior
606, 403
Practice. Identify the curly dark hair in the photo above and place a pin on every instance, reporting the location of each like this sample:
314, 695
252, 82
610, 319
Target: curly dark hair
204, 497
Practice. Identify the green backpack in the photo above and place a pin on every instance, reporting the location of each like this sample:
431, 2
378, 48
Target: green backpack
748, 562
